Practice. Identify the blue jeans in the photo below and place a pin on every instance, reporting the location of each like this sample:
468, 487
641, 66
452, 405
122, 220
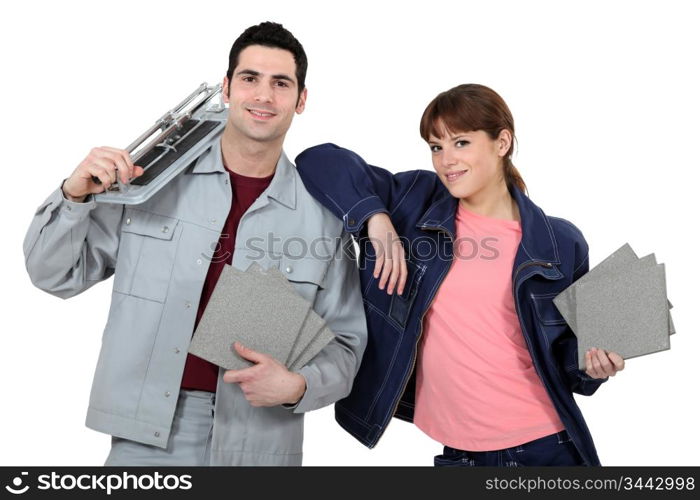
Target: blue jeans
555, 449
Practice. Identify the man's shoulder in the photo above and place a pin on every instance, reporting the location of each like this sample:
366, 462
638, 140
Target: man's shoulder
314, 213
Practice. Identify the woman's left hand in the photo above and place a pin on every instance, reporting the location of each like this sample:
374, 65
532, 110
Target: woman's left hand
601, 363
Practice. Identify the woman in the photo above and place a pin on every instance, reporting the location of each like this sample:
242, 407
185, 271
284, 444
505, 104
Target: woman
495, 363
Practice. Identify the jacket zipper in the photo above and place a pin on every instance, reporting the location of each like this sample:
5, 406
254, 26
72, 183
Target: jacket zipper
432, 299
420, 334
527, 339
430, 304
517, 307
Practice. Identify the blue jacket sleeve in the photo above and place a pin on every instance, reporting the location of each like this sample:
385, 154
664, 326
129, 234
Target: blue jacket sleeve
354, 191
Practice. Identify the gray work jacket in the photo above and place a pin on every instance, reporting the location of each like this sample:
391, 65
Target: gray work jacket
159, 253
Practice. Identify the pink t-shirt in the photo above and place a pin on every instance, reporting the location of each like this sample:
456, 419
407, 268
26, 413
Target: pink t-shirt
476, 386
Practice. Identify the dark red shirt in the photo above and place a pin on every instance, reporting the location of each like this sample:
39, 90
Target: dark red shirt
200, 374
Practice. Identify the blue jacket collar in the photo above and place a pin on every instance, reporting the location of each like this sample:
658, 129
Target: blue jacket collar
538, 243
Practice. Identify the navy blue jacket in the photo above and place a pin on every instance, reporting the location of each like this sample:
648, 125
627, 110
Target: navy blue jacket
552, 254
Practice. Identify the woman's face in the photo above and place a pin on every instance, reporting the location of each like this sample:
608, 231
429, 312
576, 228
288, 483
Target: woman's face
469, 163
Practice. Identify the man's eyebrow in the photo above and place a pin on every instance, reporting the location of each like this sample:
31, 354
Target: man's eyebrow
283, 77
252, 72
248, 72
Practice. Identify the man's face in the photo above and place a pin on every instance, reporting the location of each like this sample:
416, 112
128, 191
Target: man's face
263, 94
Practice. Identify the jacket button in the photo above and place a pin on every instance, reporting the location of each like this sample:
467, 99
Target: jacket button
167, 394
165, 229
351, 222
199, 261
156, 434
188, 305
548, 264
128, 221
289, 269
177, 350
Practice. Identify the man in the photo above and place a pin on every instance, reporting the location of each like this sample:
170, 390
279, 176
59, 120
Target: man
162, 405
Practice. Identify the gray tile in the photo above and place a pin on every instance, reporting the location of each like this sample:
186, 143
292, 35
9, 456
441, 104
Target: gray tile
566, 300
254, 308
313, 337
324, 336
626, 313
614, 264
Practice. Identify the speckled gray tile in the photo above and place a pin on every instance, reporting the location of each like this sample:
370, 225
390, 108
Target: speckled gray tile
313, 337
322, 338
566, 300
614, 264
254, 308
625, 313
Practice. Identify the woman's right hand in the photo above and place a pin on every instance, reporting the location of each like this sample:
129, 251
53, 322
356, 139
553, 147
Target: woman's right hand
105, 164
391, 258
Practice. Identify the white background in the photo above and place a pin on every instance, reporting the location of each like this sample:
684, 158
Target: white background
605, 99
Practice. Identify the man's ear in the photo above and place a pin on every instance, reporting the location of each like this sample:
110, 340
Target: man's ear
225, 89
301, 102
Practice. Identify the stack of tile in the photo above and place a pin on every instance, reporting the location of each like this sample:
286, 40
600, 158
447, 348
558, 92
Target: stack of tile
620, 305
261, 310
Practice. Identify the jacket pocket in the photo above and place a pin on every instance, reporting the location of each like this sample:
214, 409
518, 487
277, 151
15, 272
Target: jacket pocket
146, 254
545, 309
551, 323
305, 274
396, 308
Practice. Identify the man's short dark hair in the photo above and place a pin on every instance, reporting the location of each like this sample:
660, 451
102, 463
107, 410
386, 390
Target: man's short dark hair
269, 34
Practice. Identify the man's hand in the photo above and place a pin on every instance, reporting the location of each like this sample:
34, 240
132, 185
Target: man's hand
391, 258
105, 164
268, 382
601, 364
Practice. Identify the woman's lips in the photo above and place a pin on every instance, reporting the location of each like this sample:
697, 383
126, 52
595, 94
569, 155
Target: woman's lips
453, 176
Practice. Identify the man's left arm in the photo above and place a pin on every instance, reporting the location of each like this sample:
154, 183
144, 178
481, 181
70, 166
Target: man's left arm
330, 374
328, 377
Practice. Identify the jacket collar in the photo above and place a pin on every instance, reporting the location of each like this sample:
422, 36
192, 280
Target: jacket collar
537, 244
282, 188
